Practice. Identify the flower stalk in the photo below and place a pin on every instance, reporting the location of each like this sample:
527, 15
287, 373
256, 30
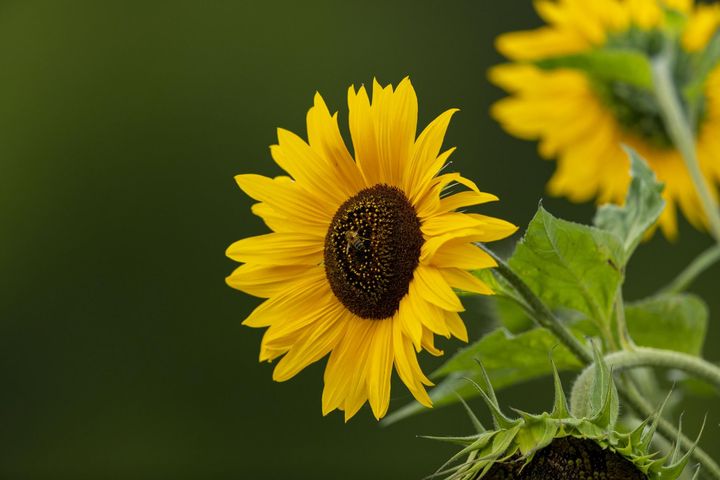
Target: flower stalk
701, 263
682, 135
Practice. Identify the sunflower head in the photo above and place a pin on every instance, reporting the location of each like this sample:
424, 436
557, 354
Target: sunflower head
582, 86
367, 250
562, 445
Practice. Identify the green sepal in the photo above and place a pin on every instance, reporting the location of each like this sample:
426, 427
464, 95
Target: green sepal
560, 408
527, 435
536, 433
604, 399
488, 395
624, 65
479, 428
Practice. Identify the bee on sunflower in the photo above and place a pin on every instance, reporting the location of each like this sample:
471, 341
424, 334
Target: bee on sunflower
578, 86
366, 250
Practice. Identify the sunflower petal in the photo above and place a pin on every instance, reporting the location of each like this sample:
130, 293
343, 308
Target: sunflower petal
278, 249
380, 368
432, 286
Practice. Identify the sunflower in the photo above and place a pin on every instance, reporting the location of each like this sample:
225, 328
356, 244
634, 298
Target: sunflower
366, 251
582, 119
584, 441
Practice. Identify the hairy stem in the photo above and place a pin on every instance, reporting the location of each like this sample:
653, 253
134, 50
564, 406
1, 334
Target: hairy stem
654, 357
682, 135
703, 261
545, 318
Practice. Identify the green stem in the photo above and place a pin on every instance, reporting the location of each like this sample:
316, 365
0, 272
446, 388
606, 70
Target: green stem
682, 135
541, 313
545, 318
654, 357
703, 261
626, 341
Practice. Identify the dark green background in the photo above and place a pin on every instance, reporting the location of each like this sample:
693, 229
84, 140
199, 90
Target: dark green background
121, 127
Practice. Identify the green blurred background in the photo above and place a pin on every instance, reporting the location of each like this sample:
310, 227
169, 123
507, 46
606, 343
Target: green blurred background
121, 127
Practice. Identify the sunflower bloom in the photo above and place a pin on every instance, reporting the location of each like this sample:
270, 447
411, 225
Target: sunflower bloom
582, 120
365, 253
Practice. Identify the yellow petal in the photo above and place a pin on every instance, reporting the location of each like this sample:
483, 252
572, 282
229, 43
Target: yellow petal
456, 325
462, 280
407, 367
344, 361
303, 164
286, 198
324, 137
312, 345
428, 343
425, 313
411, 325
432, 287
424, 164
449, 222
362, 131
541, 43
395, 116
465, 199
278, 249
380, 367
299, 297
463, 255
265, 281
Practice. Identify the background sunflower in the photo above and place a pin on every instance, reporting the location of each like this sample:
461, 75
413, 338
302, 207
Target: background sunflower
582, 119
122, 125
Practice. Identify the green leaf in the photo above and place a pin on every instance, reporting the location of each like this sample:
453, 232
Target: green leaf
643, 206
624, 65
507, 358
507, 305
573, 266
672, 322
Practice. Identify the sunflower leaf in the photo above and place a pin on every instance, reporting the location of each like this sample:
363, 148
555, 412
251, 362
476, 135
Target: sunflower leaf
674, 322
643, 206
508, 359
624, 65
571, 266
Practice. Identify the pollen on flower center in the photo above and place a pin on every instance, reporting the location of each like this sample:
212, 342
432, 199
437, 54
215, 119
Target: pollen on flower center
372, 248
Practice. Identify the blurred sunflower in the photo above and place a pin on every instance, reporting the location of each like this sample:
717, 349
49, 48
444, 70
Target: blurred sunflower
365, 252
582, 117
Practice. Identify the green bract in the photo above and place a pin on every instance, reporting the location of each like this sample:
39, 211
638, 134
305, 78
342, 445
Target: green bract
525, 443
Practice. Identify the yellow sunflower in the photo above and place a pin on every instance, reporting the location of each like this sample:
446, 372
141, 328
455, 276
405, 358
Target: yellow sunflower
365, 252
582, 121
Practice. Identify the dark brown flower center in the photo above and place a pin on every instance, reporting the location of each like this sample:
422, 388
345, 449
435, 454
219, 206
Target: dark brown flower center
569, 458
371, 250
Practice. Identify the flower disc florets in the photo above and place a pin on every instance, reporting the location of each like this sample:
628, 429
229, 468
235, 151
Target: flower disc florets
371, 250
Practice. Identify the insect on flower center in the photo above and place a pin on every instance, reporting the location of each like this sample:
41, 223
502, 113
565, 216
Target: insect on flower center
371, 250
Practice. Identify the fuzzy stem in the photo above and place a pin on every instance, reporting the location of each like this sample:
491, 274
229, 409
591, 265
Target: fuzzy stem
545, 318
701, 263
682, 135
626, 341
654, 357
